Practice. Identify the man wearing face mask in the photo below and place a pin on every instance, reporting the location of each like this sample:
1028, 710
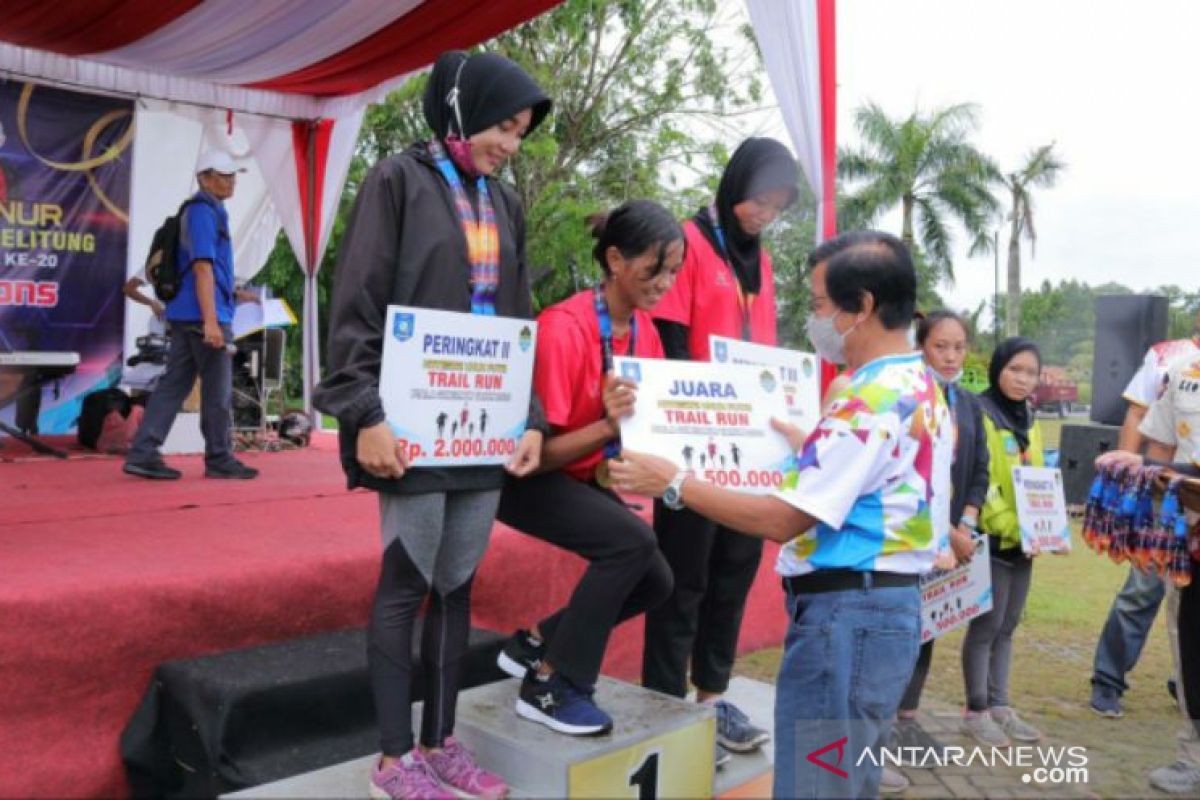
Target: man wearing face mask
860, 518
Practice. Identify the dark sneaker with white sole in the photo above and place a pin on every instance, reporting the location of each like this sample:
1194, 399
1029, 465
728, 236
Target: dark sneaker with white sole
522, 652
907, 733
735, 732
1106, 702
233, 471
721, 756
154, 470
561, 706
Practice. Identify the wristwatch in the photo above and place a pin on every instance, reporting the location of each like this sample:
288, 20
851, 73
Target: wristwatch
673, 496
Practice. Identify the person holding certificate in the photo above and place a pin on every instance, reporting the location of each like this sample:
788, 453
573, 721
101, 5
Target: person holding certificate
433, 228
1014, 439
943, 338
727, 288
860, 519
640, 247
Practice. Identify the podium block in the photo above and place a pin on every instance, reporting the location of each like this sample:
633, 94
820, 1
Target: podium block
659, 747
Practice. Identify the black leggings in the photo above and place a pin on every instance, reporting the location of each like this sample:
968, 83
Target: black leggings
398, 598
916, 684
714, 570
626, 573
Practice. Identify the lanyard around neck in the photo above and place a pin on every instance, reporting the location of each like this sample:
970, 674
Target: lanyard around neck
613, 448
745, 301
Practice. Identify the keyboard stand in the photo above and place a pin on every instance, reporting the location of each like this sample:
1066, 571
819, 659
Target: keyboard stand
32, 386
37, 444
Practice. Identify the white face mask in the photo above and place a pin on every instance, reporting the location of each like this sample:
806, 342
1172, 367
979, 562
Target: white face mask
828, 342
912, 338
943, 380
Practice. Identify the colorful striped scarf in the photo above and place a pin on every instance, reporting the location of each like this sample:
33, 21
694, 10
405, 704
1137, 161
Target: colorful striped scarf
483, 239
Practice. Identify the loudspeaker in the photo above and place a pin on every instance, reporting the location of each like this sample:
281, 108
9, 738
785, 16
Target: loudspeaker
1077, 450
1126, 327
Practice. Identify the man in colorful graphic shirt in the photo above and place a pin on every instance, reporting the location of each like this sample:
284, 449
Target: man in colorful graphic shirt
861, 518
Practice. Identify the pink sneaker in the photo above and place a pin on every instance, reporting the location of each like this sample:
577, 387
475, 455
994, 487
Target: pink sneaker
455, 766
410, 778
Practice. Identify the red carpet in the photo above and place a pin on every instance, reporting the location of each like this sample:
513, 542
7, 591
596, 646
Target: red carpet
105, 576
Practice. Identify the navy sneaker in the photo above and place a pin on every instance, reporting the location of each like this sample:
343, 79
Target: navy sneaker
522, 652
1106, 702
721, 756
735, 732
561, 706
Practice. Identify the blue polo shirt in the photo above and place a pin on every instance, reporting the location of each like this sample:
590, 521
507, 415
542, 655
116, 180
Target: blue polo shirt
204, 236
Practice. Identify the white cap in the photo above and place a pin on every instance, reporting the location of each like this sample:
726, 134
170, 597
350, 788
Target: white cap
218, 161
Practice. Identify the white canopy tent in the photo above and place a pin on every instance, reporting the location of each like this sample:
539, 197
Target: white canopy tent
282, 84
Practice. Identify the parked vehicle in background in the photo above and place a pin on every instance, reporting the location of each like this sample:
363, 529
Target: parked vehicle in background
1056, 393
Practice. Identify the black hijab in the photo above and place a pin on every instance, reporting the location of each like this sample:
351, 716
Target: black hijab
757, 166
1012, 415
491, 89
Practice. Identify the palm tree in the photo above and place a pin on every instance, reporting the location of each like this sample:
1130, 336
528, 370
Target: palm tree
1041, 170
928, 166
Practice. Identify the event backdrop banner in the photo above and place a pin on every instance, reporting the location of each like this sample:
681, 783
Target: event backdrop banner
64, 200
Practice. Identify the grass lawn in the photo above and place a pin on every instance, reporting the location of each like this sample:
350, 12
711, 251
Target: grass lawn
1052, 662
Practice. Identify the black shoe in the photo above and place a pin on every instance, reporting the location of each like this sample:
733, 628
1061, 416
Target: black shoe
234, 471
155, 470
908, 733
522, 652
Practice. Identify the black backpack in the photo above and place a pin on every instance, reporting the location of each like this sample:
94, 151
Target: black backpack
162, 265
97, 406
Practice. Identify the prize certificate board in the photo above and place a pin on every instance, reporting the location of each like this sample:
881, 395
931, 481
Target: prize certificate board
797, 373
455, 387
950, 598
1041, 509
714, 422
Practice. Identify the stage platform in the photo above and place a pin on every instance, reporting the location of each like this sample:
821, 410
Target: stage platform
106, 576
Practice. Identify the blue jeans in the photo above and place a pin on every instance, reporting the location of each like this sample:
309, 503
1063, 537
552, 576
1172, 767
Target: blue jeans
847, 657
1125, 631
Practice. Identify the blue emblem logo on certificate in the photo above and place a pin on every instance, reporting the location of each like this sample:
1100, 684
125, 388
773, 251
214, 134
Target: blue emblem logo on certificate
795, 372
402, 326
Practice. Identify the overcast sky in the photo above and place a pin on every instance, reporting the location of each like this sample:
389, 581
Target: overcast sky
1115, 84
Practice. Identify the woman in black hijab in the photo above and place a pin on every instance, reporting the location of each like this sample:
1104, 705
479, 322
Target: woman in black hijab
1014, 438
432, 227
726, 287
759, 182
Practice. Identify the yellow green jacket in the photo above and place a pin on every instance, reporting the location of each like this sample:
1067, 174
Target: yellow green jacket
998, 517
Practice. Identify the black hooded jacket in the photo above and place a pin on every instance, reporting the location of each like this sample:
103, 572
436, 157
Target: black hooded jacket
404, 245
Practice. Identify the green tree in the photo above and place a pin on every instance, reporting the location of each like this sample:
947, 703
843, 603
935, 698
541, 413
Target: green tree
926, 165
645, 97
1041, 170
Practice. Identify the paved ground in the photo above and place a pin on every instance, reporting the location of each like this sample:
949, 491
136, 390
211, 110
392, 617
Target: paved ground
978, 780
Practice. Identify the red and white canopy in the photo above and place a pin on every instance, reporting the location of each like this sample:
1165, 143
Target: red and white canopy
798, 43
280, 83
286, 81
